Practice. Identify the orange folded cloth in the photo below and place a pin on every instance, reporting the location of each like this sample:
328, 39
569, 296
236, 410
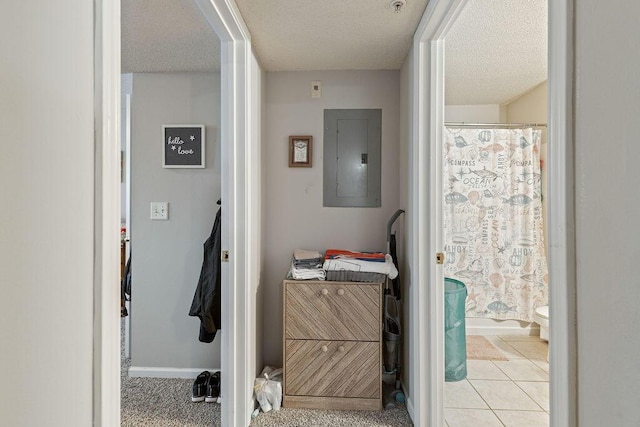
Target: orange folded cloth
364, 256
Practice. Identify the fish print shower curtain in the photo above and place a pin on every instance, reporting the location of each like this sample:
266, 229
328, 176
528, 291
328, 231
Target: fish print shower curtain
494, 240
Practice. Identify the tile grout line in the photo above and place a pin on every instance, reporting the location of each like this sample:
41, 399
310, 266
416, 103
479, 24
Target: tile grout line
526, 357
523, 356
510, 379
532, 363
487, 403
497, 417
530, 397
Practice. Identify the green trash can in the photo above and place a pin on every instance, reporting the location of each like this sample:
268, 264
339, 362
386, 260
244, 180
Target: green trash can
455, 337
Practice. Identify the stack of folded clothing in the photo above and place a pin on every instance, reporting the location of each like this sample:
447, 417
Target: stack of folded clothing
306, 265
345, 265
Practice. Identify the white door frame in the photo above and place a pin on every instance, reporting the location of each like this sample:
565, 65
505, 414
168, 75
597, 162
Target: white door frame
427, 298
425, 147
237, 192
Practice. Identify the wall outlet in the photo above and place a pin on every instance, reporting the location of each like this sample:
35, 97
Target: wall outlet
316, 89
160, 210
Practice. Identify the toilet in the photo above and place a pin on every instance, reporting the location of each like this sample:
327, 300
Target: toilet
541, 317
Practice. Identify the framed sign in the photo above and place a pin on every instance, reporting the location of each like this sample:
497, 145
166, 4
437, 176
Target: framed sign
183, 146
300, 151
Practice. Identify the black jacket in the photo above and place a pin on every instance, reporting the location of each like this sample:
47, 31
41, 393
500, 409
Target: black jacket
206, 300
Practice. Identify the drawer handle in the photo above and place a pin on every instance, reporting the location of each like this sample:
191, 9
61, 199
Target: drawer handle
324, 349
340, 292
325, 292
341, 349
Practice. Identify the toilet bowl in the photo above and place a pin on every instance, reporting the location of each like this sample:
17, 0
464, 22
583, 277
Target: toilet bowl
541, 317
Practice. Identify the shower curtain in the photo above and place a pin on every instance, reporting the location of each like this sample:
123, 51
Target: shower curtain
494, 240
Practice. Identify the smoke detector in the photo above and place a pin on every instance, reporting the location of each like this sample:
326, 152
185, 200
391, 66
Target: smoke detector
396, 5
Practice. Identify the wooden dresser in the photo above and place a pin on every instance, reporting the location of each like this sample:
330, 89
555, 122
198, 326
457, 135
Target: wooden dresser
332, 345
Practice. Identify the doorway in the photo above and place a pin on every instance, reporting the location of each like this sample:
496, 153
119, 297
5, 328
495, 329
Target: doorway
494, 187
428, 104
238, 336
167, 350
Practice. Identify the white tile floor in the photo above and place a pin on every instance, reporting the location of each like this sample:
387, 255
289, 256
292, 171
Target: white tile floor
503, 393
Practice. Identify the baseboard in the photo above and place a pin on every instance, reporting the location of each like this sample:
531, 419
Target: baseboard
410, 409
514, 328
408, 402
155, 372
253, 404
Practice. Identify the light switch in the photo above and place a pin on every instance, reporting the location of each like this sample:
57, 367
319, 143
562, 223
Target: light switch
316, 89
160, 210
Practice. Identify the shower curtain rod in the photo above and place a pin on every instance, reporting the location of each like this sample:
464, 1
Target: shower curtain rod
495, 125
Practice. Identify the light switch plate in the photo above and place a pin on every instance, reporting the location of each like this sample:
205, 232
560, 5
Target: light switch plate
316, 89
160, 210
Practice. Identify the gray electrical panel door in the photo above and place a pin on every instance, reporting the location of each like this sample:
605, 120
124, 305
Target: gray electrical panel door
352, 151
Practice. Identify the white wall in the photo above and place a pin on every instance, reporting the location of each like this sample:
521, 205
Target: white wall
46, 220
530, 107
607, 208
167, 255
293, 196
483, 113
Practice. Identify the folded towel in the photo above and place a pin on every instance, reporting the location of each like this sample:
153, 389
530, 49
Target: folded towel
387, 267
303, 254
306, 273
364, 256
311, 263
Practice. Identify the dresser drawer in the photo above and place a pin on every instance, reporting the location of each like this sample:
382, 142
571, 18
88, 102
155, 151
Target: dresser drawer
332, 311
332, 369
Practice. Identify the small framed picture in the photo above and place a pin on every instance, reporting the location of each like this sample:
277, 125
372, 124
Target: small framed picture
183, 146
300, 151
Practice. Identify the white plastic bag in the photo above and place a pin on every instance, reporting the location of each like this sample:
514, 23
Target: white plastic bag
268, 389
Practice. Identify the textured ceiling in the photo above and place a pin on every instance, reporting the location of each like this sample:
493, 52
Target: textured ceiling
167, 35
496, 49
331, 34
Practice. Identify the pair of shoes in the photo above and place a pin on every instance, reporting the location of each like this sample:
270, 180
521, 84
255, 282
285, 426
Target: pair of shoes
200, 386
213, 388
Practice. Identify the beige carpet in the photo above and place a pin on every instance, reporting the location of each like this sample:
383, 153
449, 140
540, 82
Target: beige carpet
395, 417
480, 348
166, 402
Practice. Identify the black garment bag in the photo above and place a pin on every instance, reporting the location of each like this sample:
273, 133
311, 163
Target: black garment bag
125, 288
206, 300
